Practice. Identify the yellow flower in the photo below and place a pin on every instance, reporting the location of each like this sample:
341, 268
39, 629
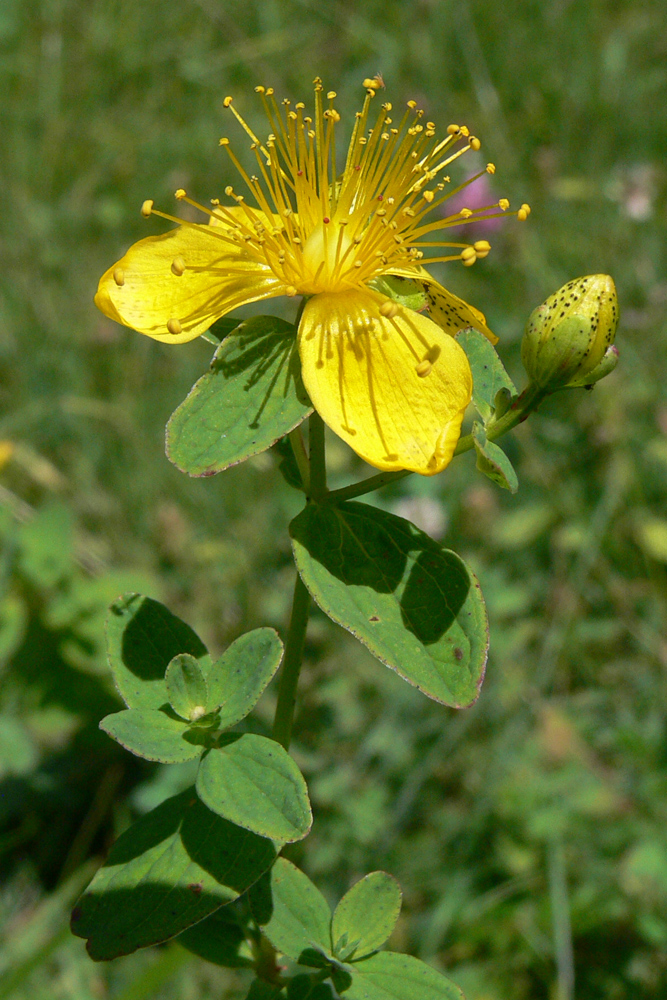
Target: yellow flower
393, 383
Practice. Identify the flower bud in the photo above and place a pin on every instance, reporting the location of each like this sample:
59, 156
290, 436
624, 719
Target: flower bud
568, 339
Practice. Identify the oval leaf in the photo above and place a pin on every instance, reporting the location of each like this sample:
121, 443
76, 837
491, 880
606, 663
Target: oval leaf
493, 462
415, 605
293, 913
237, 680
219, 939
151, 734
186, 687
252, 396
488, 371
142, 638
254, 782
388, 976
367, 915
171, 869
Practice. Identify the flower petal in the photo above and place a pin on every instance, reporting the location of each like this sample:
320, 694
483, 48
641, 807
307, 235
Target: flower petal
142, 292
446, 309
395, 387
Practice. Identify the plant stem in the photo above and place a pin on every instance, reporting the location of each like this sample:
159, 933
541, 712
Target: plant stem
529, 399
291, 668
318, 468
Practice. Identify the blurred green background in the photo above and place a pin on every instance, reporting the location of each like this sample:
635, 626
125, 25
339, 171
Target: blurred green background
530, 832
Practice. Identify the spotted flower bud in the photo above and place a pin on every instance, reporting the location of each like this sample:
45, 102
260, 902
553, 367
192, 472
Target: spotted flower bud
569, 338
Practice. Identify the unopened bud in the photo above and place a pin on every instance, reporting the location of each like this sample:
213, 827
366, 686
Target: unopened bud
568, 338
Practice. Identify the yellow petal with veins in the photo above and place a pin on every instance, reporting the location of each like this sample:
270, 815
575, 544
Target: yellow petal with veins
141, 290
394, 387
446, 309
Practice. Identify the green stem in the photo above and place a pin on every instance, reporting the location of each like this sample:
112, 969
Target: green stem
529, 399
318, 468
291, 668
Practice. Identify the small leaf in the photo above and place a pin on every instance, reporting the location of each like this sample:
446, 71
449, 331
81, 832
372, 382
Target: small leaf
493, 462
254, 782
219, 939
149, 733
142, 638
367, 914
388, 976
252, 396
307, 988
488, 371
46, 545
293, 913
237, 680
174, 867
220, 329
415, 605
186, 687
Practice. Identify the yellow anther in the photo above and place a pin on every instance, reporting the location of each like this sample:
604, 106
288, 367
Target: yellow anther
490, 168
428, 196
389, 309
331, 94
469, 254
180, 194
469, 261
269, 91
358, 263
224, 142
475, 143
523, 213
503, 204
177, 266
466, 213
291, 291
119, 276
215, 202
482, 248
259, 89
229, 191
430, 124
174, 327
465, 131
424, 368
453, 129
228, 100
412, 105
299, 105
147, 208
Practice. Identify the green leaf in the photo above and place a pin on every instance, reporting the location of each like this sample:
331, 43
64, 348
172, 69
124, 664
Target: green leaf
237, 680
293, 913
153, 735
492, 461
252, 396
387, 976
254, 782
219, 939
408, 293
220, 329
415, 605
367, 915
142, 638
186, 687
261, 990
167, 872
307, 988
488, 371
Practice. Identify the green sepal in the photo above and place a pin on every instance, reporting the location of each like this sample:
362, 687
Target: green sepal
406, 292
492, 460
388, 976
237, 680
186, 687
293, 914
488, 372
415, 605
174, 867
253, 782
605, 367
153, 735
365, 916
142, 638
220, 329
219, 939
252, 396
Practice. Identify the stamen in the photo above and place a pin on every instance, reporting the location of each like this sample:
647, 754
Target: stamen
389, 309
147, 208
178, 266
174, 327
119, 276
424, 368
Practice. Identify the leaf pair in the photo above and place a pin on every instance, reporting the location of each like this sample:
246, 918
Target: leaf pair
492, 394
297, 920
